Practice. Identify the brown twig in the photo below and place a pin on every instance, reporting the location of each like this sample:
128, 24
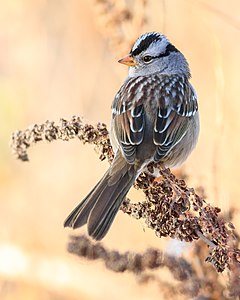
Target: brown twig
170, 209
136, 263
65, 130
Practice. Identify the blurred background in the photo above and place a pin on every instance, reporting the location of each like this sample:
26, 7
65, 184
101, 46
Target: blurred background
58, 58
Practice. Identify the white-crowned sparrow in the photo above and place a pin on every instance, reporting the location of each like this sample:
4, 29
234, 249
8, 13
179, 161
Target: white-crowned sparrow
154, 119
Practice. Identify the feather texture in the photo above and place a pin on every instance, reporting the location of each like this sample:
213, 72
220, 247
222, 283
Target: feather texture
154, 119
100, 206
168, 100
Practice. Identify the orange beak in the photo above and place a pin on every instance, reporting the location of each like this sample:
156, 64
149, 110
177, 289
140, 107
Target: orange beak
128, 60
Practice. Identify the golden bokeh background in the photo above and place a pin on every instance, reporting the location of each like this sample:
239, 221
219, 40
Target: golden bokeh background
56, 60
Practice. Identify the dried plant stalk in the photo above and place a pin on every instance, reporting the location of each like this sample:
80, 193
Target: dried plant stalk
65, 131
170, 207
173, 209
188, 280
136, 263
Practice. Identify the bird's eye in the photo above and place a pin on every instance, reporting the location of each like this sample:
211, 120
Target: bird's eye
147, 58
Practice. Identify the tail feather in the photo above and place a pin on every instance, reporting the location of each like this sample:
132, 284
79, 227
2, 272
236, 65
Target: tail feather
101, 205
100, 231
106, 208
78, 217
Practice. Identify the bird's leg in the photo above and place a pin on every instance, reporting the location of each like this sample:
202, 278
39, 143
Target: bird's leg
205, 239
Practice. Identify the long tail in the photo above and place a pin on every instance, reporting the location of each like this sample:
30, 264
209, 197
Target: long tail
99, 208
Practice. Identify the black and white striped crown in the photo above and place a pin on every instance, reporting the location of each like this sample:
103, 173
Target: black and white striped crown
147, 40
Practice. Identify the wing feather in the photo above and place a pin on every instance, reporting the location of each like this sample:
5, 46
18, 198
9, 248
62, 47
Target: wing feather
177, 102
166, 99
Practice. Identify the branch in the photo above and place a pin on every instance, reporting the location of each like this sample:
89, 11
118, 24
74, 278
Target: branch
170, 207
138, 264
22, 140
173, 209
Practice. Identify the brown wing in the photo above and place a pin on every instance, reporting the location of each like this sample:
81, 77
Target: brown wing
177, 102
172, 100
128, 116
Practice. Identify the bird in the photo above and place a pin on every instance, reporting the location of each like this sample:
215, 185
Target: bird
155, 119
